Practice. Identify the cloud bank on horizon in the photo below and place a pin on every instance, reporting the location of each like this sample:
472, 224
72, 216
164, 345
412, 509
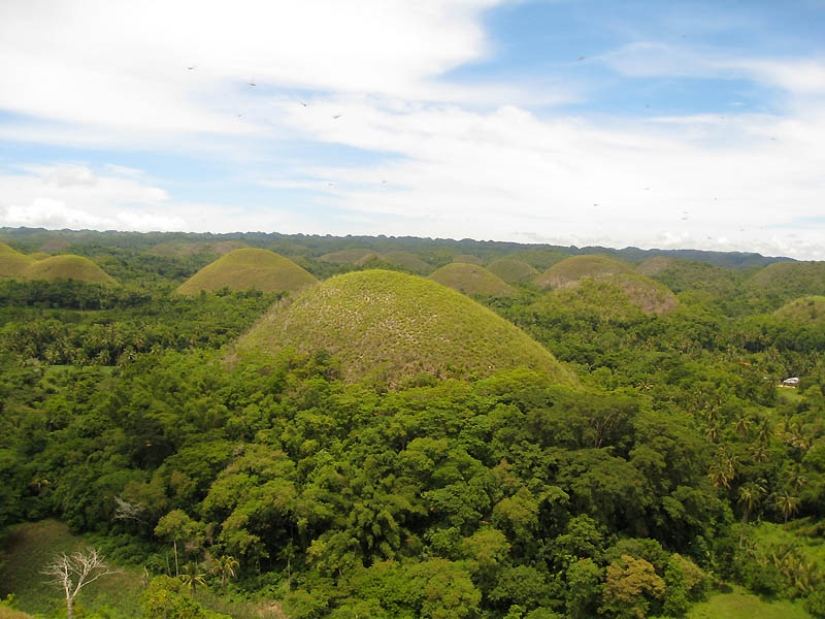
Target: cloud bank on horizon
573, 122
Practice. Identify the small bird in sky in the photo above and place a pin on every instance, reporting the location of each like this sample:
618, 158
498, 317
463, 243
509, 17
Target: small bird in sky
191, 68
303, 103
336, 117
251, 84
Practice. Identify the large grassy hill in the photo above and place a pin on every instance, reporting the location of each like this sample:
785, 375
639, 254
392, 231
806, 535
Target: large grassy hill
13, 263
571, 271
356, 255
686, 275
407, 260
616, 297
471, 279
68, 267
243, 269
807, 310
790, 280
513, 271
394, 326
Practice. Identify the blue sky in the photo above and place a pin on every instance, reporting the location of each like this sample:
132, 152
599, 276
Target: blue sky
639, 123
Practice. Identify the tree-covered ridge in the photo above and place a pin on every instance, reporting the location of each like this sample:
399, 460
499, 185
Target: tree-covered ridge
395, 327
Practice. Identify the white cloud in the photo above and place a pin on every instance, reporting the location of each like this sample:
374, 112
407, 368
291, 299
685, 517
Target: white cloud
511, 175
126, 66
72, 196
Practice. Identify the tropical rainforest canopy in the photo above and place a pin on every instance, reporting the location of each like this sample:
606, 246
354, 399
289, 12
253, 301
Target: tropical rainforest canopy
589, 440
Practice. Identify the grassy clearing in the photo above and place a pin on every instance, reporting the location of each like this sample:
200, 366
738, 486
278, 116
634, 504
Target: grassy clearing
741, 605
11, 613
30, 547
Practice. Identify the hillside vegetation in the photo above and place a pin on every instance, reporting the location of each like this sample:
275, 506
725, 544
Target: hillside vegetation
471, 279
248, 268
398, 326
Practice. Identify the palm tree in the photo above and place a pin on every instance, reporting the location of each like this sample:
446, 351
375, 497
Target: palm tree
787, 503
750, 497
193, 575
225, 566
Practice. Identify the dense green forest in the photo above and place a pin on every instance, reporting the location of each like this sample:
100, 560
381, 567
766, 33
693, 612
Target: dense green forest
675, 467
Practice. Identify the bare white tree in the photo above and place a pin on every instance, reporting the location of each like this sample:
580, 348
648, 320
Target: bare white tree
73, 572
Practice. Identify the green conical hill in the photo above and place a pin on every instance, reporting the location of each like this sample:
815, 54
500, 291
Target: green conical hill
790, 280
610, 298
691, 275
350, 256
471, 279
396, 326
12, 263
513, 271
654, 266
571, 271
243, 269
68, 266
648, 295
406, 260
807, 310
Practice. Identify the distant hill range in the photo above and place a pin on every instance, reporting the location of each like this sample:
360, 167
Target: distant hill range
435, 252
